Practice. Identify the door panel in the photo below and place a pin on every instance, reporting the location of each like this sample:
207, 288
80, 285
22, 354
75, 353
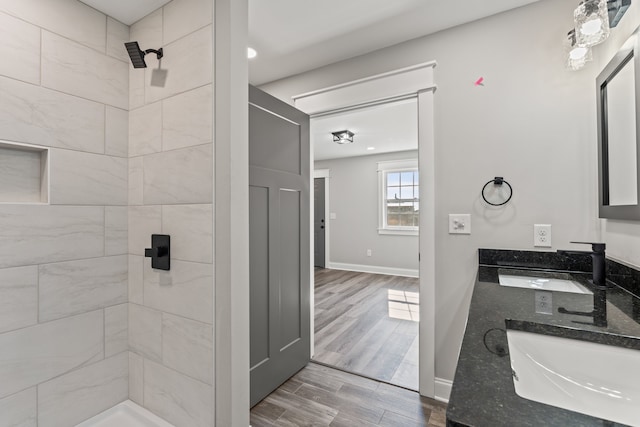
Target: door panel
259, 273
277, 149
279, 242
319, 230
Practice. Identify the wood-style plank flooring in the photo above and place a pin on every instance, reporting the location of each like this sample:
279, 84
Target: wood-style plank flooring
322, 396
368, 324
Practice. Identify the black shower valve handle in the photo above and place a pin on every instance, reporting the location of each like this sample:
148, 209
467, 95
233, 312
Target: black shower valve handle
159, 252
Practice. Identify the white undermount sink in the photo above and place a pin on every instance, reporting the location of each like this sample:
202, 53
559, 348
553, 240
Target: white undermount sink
542, 283
598, 380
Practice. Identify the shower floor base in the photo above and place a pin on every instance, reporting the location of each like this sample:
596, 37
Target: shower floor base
125, 414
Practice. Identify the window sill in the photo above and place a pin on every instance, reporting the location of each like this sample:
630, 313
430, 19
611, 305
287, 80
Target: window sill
398, 232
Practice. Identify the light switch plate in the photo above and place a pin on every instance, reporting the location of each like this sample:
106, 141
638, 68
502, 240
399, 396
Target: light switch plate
332, 215
459, 223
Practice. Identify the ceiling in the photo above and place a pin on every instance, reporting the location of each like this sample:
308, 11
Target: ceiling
387, 128
126, 11
293, 36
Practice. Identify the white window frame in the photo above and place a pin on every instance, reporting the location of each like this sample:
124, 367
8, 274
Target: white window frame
383, 169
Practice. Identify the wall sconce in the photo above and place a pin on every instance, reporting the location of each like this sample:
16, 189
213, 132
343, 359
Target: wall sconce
593, 21
577, 56
343, 136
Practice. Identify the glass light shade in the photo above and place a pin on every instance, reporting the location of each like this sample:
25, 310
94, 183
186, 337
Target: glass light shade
577, 55
592, 22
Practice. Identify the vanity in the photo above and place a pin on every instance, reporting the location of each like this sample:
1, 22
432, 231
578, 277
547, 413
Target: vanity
531, 313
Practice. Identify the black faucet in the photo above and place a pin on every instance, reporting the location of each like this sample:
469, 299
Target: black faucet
599, 312
598, 256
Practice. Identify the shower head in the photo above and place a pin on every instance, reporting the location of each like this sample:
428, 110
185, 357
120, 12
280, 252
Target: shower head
137, 55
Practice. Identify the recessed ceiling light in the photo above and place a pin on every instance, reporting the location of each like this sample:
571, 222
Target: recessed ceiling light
251, 53
371, 148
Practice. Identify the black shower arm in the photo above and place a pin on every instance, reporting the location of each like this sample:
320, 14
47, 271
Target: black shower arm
157, 52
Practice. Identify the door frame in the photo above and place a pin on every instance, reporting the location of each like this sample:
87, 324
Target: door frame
326, 174
416, 81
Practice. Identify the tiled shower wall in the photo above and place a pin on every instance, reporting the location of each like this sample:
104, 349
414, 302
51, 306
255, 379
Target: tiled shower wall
170, 192
63, 266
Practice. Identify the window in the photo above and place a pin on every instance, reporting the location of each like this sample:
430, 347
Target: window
399, 197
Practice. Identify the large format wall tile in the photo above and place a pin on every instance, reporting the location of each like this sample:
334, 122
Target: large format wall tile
73, 287
40, 234
117, 35
19, 410
187, 119
116, 132
148, 31
35, 115
116, 329
18, 298
191, 231
71, 19
21, 43
78, 178
116, 224
143, 222
187, 347
145, 331
182, 17
136, 281
181, 400
136, 180
75, 69
145, 130
136, 87
39, 353
188, 62
136, 378
179, 176
81, 394
185, 290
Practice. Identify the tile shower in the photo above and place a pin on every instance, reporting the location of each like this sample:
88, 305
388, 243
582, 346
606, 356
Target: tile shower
85, 323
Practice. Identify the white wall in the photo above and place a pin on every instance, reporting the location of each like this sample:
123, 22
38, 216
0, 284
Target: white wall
532, 122
353, 197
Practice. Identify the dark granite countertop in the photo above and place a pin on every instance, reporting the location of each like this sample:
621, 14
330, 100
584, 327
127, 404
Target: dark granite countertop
483, 393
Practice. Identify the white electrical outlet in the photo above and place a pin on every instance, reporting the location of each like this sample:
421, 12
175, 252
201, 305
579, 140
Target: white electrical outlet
542, 235
368, 252
459, 223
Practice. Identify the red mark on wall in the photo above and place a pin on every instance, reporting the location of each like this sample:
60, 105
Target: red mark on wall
480, 81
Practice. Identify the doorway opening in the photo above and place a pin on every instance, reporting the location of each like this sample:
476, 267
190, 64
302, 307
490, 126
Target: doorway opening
366, 214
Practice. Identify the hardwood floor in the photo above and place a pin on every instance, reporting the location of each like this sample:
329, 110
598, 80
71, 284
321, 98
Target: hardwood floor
368, 324
322, 396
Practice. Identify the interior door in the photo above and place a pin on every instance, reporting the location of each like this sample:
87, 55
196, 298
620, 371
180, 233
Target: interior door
279, 252
319, 229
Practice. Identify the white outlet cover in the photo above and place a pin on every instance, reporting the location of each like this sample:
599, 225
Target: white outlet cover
542, 235
459, 223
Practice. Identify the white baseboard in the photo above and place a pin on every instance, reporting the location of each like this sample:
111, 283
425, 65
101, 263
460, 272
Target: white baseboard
407, 272
443, 389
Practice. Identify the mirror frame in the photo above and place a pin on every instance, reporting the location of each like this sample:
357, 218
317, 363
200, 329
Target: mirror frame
630, 51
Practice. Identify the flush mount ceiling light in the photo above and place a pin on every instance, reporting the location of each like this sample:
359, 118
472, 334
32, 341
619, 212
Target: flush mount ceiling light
251, 53
591, 22
343, 136
137, 55
577, 56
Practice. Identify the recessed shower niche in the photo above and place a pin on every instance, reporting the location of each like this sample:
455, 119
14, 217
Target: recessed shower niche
24, 173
